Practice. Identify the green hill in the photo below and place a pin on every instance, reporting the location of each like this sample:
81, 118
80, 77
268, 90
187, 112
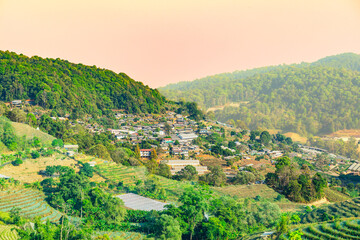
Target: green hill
316, 98
64, 86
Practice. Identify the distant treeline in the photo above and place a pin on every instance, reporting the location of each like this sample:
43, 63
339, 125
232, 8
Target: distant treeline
316, 98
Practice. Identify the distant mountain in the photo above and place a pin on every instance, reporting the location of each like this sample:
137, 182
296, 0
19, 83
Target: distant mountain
349, 61
66, 87
308, 98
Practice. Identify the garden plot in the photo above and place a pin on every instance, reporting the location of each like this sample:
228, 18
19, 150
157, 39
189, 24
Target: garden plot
120, 173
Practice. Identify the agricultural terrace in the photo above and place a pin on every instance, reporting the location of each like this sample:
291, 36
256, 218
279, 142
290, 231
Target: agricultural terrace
261, 190
28, 171
335, 196
173, 188
30, 201
346, 209
6, 232
339, 230
119, 173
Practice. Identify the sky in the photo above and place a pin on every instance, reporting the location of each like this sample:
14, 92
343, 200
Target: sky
159, 42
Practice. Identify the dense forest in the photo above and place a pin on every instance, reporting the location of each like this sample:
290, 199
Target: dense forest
308, 98
66, 87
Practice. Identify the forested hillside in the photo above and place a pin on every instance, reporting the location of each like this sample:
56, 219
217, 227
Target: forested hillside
64, 86
315, 98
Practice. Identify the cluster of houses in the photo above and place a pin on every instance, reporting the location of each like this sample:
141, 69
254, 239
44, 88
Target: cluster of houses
175, 132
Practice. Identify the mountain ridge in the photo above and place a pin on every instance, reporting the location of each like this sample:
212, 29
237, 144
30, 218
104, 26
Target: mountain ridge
64, 86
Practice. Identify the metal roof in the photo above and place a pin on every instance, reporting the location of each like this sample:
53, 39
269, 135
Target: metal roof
138, 202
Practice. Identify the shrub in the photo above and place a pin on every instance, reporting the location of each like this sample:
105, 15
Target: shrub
35, 154
17, 162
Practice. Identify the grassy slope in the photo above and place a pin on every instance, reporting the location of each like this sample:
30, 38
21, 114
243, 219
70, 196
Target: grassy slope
251, 191
28, 171
22, 129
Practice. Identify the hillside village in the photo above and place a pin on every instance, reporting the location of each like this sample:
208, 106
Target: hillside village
133, 169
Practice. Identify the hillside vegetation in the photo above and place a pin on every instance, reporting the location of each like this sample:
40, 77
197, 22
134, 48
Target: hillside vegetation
316, 98
64, 86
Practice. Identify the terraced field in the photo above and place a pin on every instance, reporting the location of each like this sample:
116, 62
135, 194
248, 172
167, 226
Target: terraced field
7, 234
346, 209
115, 172
339, 230
31, 202
173, 188
123, 235
262, 190
335, 196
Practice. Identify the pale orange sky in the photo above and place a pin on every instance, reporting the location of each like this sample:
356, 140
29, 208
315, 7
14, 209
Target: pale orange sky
160, 42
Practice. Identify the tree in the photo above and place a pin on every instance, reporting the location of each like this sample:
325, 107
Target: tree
283, 225
152, 166
100, 151
216, 177
35, 154
17, 115
15, 215
87, 170
31, 119
265, 137
57, 143
194, 205
153, 154
243, 177
137, 152
282, 162
163, 170
187, 173
17, 162
168, 228
167, 128
252, 136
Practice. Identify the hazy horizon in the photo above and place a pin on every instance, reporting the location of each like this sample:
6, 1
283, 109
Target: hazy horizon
162, 42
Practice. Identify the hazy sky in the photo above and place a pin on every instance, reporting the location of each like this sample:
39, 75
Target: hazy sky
160, 42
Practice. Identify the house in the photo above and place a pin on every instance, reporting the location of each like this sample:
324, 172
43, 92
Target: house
74, 148
189, 136
92, 164
16, 103
145, 153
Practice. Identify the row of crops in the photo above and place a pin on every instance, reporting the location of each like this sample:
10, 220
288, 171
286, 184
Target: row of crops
31, 202
347, 209
120, 173
338, 230
6, 233
123, 235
